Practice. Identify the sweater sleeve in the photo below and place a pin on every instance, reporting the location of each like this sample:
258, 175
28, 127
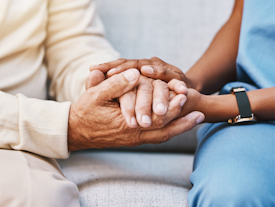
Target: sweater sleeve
34, 125
75, 41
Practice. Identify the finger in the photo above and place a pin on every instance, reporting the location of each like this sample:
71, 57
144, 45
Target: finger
174, 110
172, 94
160, 72
105, 67
178, 86
117, 85
144, 102
174, 128
127, 105
127, 65
160, 97
95, 77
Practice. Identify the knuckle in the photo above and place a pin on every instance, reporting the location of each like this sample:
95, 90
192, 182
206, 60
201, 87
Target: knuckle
113, 81
165, 136
158, 82
137, 140
143, 106
146, 88
128, 109
161, 83
172, 94
143, 61
161, 72
129, 64
172, 83
96, 96
159, 122
154, 58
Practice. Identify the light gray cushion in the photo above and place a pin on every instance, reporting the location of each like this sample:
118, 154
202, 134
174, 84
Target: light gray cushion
112, 179
177, 31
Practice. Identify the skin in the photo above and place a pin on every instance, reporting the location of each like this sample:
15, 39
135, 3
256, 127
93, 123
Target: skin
212, 71
149, 95
96, 120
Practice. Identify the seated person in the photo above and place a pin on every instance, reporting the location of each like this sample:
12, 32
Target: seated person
60, 39
234, 164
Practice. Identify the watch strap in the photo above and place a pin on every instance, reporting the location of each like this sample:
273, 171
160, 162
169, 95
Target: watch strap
243, 104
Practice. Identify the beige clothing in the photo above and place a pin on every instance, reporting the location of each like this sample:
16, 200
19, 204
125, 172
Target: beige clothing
39, 38
29, 180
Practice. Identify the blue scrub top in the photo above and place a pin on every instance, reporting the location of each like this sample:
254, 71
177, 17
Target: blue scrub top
256, 55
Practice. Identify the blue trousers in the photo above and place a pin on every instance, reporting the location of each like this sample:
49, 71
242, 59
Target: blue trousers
234, 165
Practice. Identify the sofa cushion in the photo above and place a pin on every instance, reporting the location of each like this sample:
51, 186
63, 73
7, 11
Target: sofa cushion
178, 31
117, 179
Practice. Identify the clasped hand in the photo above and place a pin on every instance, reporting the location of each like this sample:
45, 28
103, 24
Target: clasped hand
128, 109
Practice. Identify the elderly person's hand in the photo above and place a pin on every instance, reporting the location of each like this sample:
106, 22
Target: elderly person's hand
96, 120
149, 95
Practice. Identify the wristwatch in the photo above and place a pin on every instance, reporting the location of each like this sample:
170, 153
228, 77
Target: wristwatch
244, 106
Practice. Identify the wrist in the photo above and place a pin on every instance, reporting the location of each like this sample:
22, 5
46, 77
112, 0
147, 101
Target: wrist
219, 108
73, 134
191, 82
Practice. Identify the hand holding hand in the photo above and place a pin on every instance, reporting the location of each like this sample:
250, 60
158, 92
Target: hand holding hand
96, 120
149, 92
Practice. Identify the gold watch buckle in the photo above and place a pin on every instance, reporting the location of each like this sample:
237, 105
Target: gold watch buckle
239, 119
239, 89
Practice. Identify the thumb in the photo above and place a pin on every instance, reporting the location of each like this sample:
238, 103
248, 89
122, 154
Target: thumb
185, 123
95, 77
117, 85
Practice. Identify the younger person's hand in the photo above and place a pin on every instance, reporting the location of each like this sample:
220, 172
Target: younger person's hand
154, 68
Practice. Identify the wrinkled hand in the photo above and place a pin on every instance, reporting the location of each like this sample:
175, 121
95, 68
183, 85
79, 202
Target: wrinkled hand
96, 120
149, 94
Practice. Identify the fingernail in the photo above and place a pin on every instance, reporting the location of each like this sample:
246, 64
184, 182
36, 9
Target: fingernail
112, 70
130, 75
147, 69
133, 121
146, 119
182, 102
160, 106
199, 120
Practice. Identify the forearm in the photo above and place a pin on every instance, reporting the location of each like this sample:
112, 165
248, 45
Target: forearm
223, 107
218, 65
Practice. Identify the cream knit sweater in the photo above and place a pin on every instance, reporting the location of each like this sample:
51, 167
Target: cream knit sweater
39, 38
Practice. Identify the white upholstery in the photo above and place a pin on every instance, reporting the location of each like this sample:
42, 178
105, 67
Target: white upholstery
117, 179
